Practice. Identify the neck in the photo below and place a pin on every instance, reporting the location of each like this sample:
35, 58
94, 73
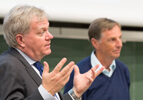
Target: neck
105, 61
30, 54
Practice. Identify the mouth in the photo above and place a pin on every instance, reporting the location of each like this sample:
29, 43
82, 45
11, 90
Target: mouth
116, 51
48, 45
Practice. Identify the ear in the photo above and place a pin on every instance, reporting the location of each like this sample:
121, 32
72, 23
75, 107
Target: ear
94, 43
20, 40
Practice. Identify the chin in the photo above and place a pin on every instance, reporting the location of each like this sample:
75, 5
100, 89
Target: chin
48, 52
116, 56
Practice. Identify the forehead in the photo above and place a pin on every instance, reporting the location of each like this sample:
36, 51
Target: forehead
114, 32
38, 22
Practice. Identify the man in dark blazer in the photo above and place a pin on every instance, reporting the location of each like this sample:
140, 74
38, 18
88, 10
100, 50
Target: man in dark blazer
22, 76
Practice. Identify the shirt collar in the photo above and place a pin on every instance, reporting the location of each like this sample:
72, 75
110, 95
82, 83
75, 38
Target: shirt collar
29, 60
95, 61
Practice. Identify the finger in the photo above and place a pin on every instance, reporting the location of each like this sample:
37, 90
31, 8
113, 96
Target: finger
64, 77
76, 70
67, 76
93, 73
60, 65
46, 67
67, 68
71, 69
90, 79
99, 71
95, 67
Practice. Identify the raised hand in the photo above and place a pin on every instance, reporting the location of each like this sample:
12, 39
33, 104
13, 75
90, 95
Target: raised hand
83, 81
54, 81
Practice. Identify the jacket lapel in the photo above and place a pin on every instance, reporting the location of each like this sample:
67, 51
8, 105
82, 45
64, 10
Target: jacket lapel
28, 67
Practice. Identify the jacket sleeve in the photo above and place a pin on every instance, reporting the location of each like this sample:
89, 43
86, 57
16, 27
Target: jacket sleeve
65, 96
12, 86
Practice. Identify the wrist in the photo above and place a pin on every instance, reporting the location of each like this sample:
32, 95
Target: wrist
76, 93
73, 95
49, 90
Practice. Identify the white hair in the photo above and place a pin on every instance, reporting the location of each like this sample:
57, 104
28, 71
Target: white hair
18, 20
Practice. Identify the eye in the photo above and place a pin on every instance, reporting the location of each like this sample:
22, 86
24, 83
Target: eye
113, 39
41, 33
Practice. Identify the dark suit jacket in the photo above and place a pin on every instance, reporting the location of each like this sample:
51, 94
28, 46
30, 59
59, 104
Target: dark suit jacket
18, 80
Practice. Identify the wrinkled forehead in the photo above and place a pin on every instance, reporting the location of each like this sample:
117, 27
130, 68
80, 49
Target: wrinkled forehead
109, 27
39, 22
114, 32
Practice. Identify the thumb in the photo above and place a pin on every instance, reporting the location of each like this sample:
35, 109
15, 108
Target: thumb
46, 67
76, 70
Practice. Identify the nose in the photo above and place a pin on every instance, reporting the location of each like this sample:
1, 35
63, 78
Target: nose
49, 35
119, 43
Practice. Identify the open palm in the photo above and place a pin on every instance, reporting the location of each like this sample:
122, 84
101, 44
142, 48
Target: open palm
83, 81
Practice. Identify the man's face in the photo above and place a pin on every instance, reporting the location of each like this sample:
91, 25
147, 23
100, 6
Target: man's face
110, 43
38, 40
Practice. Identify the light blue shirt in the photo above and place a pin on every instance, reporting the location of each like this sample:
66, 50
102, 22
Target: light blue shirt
44, 93
95, 61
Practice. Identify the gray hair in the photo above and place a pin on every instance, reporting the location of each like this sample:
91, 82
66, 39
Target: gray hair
100, 25
18, 20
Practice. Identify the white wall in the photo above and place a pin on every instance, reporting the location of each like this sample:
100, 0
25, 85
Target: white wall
127, 12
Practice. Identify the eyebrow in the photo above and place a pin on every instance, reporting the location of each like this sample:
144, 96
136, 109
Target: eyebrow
43, 28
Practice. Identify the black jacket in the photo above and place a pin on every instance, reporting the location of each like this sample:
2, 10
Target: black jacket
18, 80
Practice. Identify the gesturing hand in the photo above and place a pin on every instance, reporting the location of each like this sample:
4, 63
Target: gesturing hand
83, 81
55, 80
